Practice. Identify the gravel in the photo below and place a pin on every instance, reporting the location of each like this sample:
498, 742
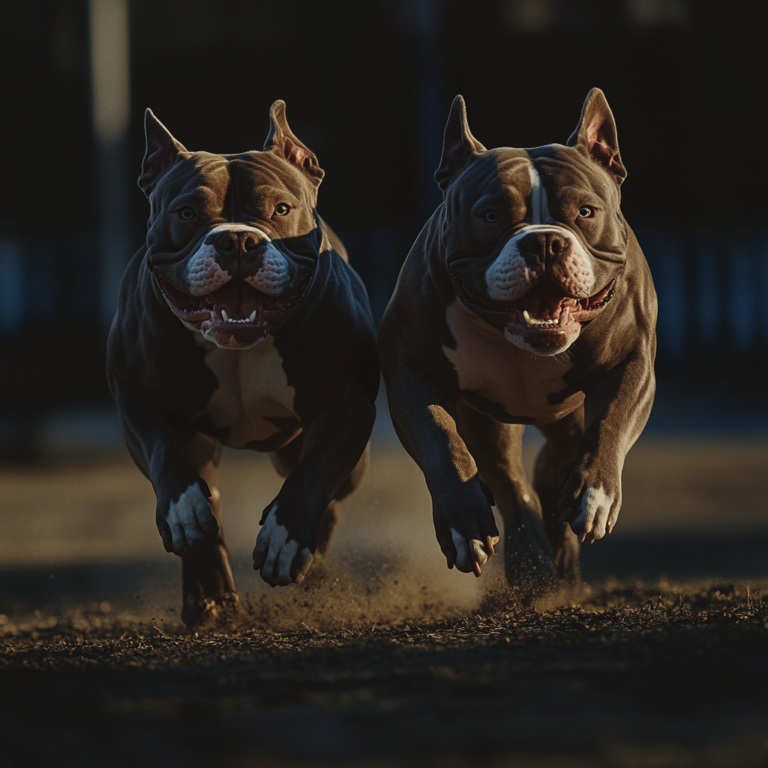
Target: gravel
625, 675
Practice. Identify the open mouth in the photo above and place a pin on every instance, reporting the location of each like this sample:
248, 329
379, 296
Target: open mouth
236, 310
544, 308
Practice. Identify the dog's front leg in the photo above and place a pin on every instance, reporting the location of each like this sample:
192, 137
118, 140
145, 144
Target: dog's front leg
183, 514
334, 441
616, 409
425, 420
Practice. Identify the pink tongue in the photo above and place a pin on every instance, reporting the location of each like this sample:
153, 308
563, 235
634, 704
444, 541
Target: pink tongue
543, 300
237, 298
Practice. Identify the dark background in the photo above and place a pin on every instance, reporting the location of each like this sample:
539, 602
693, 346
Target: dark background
368, 86
683, 78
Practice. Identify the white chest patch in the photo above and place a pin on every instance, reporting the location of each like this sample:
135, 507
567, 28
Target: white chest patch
252, 388
489, 365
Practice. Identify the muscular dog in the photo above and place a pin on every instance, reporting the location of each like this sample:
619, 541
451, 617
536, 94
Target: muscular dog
525, 300
240, 323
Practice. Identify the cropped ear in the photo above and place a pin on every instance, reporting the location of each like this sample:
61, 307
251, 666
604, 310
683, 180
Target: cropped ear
282, 142
596, 132
458, 144
162, 152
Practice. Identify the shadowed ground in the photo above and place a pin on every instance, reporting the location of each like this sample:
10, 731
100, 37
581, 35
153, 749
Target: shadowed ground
385, 657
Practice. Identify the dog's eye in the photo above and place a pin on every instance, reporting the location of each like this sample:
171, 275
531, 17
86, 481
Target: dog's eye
282, 209
187, 214
586, 211
491, 216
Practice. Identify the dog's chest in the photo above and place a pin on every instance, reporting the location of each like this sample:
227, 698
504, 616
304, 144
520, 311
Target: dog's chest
489, 366
252, 393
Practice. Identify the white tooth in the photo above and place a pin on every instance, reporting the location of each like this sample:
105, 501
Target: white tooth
252, 318
527, 318
225, 315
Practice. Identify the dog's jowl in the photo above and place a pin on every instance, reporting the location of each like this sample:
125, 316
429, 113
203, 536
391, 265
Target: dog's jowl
525, 300
241, 324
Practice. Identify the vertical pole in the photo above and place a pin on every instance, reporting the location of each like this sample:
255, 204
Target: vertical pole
110, 106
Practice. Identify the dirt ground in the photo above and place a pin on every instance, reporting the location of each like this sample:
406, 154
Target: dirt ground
385, 657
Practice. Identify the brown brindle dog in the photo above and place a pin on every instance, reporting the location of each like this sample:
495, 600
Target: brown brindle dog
241, 324
525, 300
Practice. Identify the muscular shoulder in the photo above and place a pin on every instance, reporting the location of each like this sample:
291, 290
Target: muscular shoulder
332, 346
414, 331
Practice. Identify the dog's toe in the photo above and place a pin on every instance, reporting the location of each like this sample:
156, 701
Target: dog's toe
189, 522
470, 553
279, 557
593, 520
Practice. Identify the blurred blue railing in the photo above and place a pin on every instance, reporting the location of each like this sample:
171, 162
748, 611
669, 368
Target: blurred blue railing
47, 280
710, 287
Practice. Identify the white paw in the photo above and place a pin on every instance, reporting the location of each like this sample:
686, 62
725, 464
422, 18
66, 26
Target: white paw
188, 518
468, 551
277, 556
594, 518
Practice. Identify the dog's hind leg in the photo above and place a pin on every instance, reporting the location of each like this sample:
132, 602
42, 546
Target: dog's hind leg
207, 583
331, 517
497, 451
562, 438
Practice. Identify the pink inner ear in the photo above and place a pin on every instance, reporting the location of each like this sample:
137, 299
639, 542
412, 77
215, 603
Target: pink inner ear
298, 156
599, 144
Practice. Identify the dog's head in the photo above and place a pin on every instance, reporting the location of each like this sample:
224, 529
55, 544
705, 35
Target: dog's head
534, 239
233, 240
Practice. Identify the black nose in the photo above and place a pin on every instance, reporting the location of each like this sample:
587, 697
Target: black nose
234, 243
540, 248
